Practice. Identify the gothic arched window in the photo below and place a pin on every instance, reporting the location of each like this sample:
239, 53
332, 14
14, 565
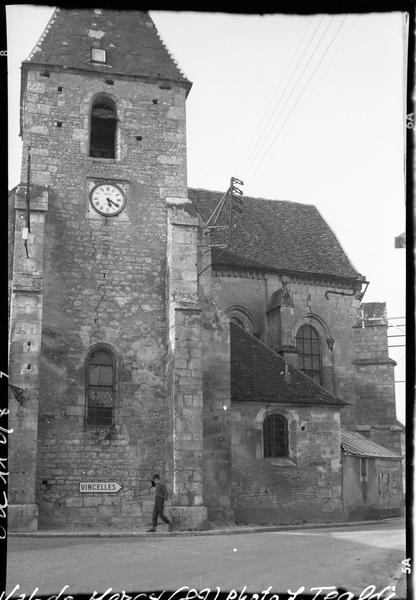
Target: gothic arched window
241, 317
308, 345
238, 322
100, 388
275, 436
103, 128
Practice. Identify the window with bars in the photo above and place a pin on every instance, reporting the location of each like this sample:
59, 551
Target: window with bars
103, 128
308, 345
275, 436
100, 388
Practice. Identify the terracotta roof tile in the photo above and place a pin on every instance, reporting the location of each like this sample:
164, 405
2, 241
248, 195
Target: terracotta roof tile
278, 235
258, 375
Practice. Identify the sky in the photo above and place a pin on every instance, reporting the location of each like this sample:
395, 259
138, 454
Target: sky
302, 108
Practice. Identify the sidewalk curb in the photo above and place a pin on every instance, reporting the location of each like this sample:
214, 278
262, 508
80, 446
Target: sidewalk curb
209, 532
398, 576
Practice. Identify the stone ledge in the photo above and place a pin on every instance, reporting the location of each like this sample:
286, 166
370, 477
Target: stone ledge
188, 308
181, 212
28, 284
374, 361
38, 200
370, 324
280, 462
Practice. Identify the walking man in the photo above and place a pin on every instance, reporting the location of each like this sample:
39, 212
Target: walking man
161, 494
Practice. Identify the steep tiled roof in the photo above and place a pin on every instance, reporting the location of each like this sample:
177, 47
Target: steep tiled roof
278, 235
355, 444
258, 375
130, 38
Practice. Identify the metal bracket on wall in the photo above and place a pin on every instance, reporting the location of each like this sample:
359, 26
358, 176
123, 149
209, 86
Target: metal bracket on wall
232, 203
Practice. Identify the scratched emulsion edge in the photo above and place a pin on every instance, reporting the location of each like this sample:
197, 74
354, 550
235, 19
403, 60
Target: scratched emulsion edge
6, 432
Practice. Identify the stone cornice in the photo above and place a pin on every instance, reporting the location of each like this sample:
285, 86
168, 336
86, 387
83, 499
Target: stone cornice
374, 361
294, 277
106, 72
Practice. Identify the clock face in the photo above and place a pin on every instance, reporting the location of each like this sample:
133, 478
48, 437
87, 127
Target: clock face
107, 199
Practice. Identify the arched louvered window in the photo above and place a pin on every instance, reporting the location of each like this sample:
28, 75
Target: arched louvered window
100, 388
103, 128
308, 345
275, 436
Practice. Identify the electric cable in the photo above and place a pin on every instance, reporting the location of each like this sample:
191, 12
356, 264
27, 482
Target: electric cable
291, 92
259, 136
250, 177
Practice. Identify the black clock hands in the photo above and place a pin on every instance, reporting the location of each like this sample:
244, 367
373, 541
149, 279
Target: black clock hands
110, 202
107, 200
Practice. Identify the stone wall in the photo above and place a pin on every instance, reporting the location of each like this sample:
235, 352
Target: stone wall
104, 282
375, 370
26, 307
304, 487
332, 317
185, 363
378, 494
375, 391
216, 395
242, 289
10, 248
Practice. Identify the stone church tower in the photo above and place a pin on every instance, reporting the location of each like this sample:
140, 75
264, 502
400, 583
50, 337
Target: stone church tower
103, 127
121, 299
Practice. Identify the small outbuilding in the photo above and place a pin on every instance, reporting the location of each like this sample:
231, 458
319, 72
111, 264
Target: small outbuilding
371, 478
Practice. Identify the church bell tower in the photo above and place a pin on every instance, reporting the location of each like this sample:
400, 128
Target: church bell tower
92, 322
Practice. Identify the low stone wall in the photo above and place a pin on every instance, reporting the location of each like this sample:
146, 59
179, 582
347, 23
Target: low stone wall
187, 517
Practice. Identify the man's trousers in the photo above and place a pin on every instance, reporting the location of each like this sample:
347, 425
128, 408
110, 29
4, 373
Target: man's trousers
158, 512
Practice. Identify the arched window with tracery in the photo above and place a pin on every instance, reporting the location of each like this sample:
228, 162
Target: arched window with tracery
275, 436
308, 345
103, 128
100, 388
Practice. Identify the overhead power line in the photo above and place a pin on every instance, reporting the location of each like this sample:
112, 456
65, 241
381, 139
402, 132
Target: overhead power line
259, 136
352, 19
299, 97
306, 65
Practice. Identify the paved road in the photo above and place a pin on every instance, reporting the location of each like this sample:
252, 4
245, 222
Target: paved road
352, 558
